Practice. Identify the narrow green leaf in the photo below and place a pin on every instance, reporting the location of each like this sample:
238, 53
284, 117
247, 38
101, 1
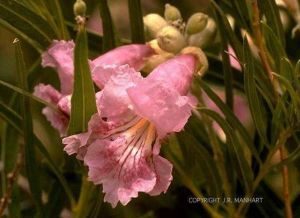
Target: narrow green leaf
292, 157
83, 98
296, 73
228, 77
31, 165
287, 70
294, 96
56, 9
10, 116
136, 21
234, 41
15, 120
279, 119
55, 201
27, 24
275, 48
252, 95
231, 118
197, 156
108, 39
242, 165
271, 12
28, 94
9, 154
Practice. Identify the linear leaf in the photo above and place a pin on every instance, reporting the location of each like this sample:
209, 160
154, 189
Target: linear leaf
271, 11
83, 98
15, 120
28, 94
31, 165
136, 21
234, 41
195, 155
55, 8
273, 44
27, 24
252, 95
228, 77
108, 39
9, 153
242, 165
231, 118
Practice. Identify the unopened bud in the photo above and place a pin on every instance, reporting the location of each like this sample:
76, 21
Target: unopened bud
202, 62
172, 13
205, 37
159, 57
153, 23
79, 8
196, 23
170, 39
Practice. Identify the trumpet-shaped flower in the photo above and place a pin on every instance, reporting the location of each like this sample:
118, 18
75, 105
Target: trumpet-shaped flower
121, 147
60, 57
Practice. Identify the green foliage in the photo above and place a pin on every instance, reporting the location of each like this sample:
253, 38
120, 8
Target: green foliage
108, 27
136, 21
83, 98
31, 165
234, 159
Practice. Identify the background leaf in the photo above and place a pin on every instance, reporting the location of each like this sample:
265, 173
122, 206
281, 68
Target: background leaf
31, 165
83, 99
108, 38
136, 21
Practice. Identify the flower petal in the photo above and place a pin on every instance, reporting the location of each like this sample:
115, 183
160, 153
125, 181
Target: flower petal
177, 72
64, 104
123, 170
58, 120
134, 55
60, 57
47, 93
75, 144
161, 104
113, 102
163, 170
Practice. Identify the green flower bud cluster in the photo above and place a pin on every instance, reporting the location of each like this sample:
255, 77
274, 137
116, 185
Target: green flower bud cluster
173, 34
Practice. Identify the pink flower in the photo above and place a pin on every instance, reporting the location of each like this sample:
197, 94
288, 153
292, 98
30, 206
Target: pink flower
60, 56
59, 119
121, 148
133, 55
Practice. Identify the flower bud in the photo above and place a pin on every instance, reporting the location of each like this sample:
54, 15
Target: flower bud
205, 37
153, 23
172, 13
159, 57
170, 39
202, 63
196, 23
79, 8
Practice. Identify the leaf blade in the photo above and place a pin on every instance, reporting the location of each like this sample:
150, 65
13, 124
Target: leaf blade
31, 165
83, 99
136, 21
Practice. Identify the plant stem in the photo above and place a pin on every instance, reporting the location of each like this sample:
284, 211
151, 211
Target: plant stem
264, 170
285, 185
11, 178
259, 40
264, 59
